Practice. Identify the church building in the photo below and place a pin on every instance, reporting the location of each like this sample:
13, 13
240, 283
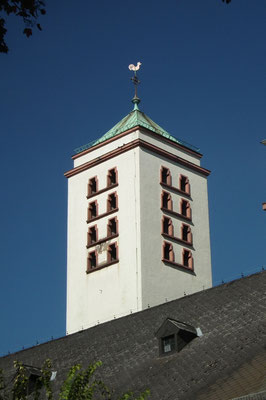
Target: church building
138, 223
139, 285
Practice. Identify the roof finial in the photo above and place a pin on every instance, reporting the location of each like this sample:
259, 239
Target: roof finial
136, 81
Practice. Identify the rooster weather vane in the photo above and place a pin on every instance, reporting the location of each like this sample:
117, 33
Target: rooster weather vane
136, 82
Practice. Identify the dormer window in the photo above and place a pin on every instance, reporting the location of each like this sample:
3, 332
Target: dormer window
166, 176
168, 344
174, 335
34, 381
112, 177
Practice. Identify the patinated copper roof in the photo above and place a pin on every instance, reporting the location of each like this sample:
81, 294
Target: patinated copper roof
134, 119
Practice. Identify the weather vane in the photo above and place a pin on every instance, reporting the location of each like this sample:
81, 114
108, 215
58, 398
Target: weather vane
136, 82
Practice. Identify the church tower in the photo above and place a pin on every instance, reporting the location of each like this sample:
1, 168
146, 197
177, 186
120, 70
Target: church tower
138, 223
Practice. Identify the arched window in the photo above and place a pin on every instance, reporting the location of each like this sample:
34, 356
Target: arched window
187, 259
166, 200
166, 176
168, 253
92, 235
92, 260
186, 234
112, 177
112, 254
112, 201
93, 186
112, 227
93, 210
167, 226
184, 185
185, 209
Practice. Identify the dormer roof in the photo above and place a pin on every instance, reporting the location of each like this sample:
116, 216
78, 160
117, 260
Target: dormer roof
171, 326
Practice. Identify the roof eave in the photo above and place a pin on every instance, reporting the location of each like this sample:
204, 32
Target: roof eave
137, 127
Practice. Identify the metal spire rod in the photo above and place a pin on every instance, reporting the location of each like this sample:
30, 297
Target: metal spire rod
136, 82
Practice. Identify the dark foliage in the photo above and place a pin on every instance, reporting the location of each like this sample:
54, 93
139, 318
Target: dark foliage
28, 10
80, 384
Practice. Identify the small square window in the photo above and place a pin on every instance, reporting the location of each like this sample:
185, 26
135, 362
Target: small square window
168, 344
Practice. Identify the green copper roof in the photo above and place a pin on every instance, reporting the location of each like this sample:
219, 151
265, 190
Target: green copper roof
133, 119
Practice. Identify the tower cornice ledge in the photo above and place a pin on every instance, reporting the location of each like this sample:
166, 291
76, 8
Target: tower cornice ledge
136, 143
154, 134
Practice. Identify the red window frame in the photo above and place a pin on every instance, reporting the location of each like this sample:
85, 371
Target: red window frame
187, 259
91, 204
169, 200
112, 177
168, 252
165, 176
109, 252
93, 182
185, 209
184, 185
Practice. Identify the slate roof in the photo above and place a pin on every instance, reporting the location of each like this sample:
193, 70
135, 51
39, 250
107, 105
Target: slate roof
256, 396
227, 362
133, 119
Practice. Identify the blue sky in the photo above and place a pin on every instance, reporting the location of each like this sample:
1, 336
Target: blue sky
202, 79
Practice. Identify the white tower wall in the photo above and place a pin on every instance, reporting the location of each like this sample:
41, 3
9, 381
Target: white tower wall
115, 290
161, 281
139, 277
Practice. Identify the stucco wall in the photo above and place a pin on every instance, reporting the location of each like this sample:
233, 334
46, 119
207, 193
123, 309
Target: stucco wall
114, 290
159, 280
